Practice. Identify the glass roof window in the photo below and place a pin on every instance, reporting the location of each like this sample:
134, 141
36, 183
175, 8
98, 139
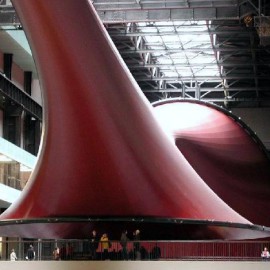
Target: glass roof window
182, 49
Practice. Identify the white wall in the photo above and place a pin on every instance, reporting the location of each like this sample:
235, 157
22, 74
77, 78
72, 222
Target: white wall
134, 265
36, 92
8, 2
258, 119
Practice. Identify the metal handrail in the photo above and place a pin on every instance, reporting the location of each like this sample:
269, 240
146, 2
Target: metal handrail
11, 91
81, 249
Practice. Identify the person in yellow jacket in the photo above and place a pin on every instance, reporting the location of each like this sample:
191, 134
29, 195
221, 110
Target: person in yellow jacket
105, 245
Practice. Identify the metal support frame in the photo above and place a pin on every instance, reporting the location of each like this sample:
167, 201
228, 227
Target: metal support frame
9, 90
240, 65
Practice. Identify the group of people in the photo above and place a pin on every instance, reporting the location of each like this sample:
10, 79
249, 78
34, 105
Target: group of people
30, 254
106, 244
67, 250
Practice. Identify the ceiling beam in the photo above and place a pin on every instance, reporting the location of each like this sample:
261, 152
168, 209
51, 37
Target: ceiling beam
207, 89
202, 78
156, 10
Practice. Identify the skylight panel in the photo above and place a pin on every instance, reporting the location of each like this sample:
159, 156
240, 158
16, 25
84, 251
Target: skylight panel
185, 45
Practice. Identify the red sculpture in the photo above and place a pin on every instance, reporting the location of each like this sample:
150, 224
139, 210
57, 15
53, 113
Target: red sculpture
224, 151
104, 159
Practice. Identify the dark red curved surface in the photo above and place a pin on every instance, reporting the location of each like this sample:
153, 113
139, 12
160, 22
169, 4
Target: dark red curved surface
223, 151
103, 152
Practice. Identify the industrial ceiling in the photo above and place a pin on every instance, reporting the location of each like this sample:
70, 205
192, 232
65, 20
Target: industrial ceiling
163, 43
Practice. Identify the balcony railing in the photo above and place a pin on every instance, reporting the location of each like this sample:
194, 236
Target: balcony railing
148, 250
11, 91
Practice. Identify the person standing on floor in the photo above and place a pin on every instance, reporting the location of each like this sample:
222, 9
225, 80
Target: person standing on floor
265, 253
69, 251
30, 253
123, 242
56, 254
137, 237
13, 256
105, 246
93, 245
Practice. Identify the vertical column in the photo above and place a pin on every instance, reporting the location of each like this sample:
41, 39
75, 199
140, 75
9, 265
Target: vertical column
8, 64
12, 124
28, 82
32, 133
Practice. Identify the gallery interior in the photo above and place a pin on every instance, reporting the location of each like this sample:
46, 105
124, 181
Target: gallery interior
141, 115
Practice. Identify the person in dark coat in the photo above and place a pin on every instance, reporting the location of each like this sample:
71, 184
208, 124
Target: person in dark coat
123, 242
94, 240
137, 245
30, 253
63, 252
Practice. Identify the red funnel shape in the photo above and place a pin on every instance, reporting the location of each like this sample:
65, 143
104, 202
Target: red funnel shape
103, 152
224, 152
